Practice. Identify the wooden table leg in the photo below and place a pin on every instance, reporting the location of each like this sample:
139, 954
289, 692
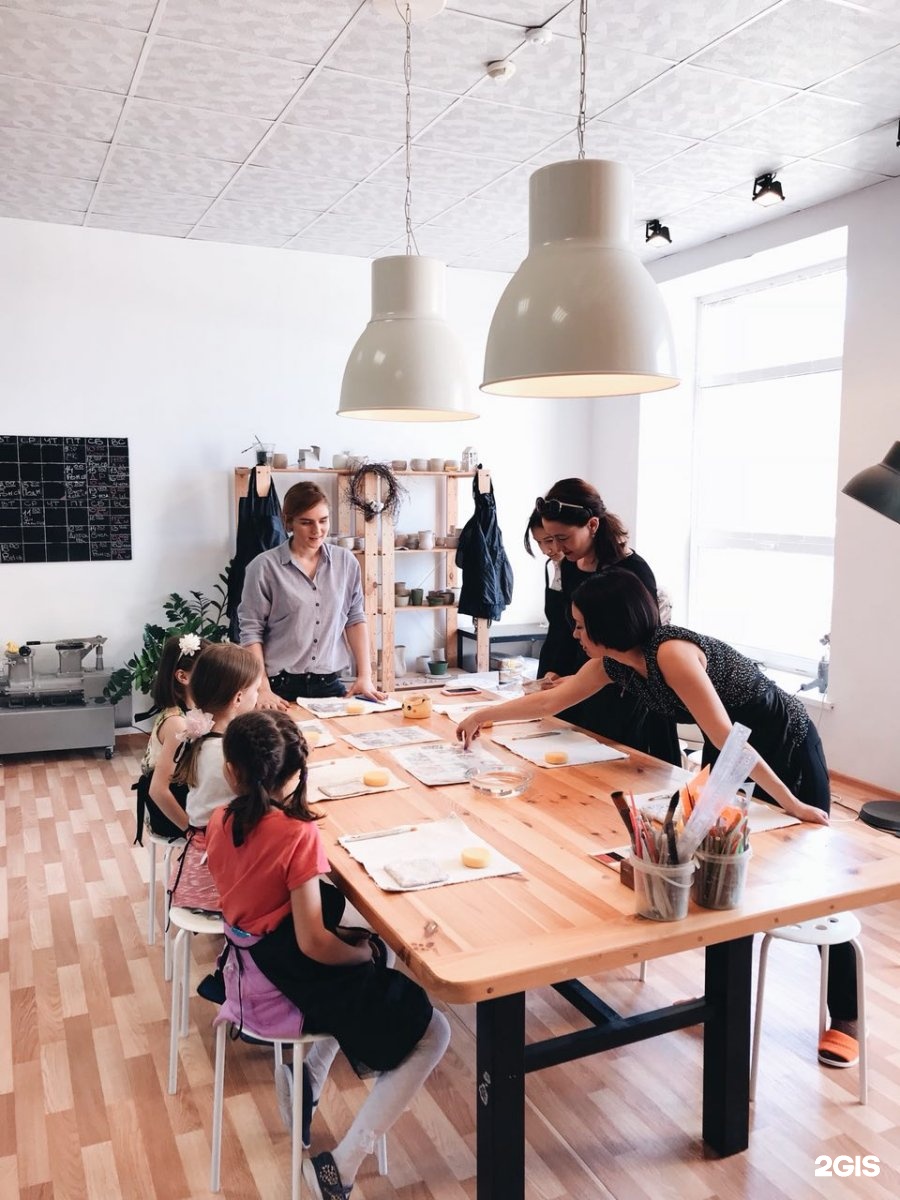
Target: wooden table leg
500, 1101
726, 1046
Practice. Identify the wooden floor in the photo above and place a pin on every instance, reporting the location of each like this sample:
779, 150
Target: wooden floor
84, 1113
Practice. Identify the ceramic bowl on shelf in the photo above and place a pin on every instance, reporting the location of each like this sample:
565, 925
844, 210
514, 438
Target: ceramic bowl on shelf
450, 464
437, 668
401, 600
419, 464
359, 543
502, 783
398, 464
400, 540
345, 542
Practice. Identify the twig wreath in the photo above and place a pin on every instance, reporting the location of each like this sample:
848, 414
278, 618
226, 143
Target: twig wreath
391, 490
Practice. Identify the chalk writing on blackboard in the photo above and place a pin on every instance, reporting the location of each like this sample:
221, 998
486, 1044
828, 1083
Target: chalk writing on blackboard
64, 499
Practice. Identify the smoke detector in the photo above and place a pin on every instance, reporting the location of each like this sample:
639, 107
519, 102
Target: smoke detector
502, 70
538, 37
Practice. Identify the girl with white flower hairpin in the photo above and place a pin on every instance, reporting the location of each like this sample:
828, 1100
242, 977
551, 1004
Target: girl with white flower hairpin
170, 691
224, 684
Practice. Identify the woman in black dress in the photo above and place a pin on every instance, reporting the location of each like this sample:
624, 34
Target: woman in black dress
591, 540
693, 678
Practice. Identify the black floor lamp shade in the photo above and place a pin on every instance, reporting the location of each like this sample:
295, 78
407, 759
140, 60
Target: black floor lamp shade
878, 487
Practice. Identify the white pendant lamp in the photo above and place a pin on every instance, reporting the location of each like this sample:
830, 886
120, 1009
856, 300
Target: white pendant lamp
582, 316
408, 364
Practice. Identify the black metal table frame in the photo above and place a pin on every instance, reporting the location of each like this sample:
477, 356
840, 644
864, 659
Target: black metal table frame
503, 1058
498, 639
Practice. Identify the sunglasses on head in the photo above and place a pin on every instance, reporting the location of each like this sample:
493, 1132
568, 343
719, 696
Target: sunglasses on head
556, 508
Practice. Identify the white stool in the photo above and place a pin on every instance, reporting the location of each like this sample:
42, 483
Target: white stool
186, 922
154, 840
824, 932
299, 1044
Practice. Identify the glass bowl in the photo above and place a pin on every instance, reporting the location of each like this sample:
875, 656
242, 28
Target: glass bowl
502, 783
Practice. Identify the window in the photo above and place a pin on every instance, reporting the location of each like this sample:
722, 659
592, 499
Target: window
765, 465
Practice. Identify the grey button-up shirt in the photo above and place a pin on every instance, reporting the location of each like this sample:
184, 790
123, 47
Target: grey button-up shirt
299, 621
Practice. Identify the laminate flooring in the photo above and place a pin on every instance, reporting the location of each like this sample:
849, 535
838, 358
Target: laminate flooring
84, 1113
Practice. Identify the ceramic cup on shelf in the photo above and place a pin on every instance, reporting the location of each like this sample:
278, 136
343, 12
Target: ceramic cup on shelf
416, 596
400, 600
279, 462
435, 464
339, 461
400, 540
450, 464
412, 542
419, 464
398, 464
345, 542
438, 667
400, 586
438, 654
426, 539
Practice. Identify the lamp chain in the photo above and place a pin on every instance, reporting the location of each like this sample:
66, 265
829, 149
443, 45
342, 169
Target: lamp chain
582, 68
407, 76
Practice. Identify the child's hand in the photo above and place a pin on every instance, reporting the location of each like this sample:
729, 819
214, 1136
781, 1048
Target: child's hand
379, 950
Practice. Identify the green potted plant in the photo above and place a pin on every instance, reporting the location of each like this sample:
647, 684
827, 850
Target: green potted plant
202, 615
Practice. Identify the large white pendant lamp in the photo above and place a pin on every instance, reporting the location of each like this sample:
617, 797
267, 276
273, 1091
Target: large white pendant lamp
582, 315
408, 364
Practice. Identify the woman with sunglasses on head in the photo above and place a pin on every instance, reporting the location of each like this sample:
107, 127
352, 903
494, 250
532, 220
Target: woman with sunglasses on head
590, 540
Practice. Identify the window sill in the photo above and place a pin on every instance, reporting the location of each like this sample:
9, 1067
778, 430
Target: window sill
790, 682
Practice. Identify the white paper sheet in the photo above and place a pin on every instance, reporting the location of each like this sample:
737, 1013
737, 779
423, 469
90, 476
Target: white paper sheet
338, 771
437, 764
580, 748
457, 711
441, 841
324, 739
336, 706
386, 739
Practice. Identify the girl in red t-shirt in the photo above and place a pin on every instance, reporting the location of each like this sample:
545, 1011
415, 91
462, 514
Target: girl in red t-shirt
266, 857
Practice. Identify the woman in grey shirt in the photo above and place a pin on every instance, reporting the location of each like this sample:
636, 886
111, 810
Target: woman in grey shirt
302, 605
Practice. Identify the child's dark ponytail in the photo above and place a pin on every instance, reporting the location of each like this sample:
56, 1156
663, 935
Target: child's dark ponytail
264, 749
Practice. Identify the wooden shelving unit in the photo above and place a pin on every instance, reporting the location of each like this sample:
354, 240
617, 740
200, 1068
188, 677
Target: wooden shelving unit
378, 560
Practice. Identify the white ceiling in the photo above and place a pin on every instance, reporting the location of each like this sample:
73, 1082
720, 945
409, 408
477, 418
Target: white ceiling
280, 122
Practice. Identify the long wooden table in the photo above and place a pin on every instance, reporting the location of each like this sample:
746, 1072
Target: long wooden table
566, 916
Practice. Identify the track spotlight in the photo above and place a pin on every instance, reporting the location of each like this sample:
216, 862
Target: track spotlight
767, 190
656, 234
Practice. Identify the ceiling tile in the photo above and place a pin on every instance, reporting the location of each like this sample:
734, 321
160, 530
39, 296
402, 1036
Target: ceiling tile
174, 129
875, 151
805, 124
125, 202
139, 170
887, 8
547, 77
638, 149
37, 46
355, 247
25, 210
695, 103
227, 80
130, 14
714, 167
483, 217
810, 182
138, 225
716, 215
52, 190
317, 152
662, 200
510, 189
262, 185
671, 30
802, 43
518, 12
243, 237
287, 219
381, 227
448, 54
442, 172
384, 200
349, 104
301, 30
476, 127
446, 244
50, 154
27, 104
873, 83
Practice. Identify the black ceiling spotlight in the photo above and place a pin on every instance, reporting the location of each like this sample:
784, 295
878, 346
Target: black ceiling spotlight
767, 190
655, 233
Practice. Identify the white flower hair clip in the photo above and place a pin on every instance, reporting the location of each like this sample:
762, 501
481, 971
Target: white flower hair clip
189, 644
197, 724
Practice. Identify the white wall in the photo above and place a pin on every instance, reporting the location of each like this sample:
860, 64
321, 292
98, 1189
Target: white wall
190, 349
860, 734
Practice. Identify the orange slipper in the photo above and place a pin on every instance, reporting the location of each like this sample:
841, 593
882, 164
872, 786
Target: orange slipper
838, 1049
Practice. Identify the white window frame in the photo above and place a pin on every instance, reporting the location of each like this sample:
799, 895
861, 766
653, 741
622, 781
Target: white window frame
747, 540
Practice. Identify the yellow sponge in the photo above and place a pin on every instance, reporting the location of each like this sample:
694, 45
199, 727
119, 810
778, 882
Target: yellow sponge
354, 708
556, 757
375, 778
475, 856
312, 736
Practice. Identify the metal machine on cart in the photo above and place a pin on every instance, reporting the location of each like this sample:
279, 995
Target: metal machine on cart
63, 709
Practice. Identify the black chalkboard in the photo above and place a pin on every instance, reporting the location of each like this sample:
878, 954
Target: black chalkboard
64, 499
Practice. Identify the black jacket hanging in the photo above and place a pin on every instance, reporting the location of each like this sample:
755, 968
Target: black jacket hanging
259, 528
487, 581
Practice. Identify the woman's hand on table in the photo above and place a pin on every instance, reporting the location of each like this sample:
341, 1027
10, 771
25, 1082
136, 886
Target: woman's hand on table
551, 680
469, 728
364, 687
805, 812
268, 699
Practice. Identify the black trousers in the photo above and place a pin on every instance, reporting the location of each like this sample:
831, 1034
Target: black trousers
289, 686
